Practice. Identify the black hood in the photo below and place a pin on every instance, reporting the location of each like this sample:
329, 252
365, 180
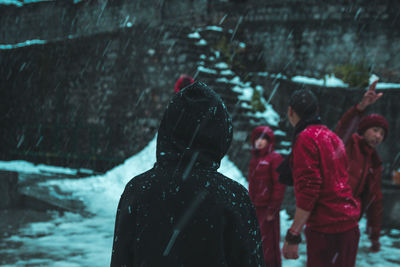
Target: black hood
195, 127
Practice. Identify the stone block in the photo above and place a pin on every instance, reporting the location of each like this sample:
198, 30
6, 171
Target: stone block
8, 189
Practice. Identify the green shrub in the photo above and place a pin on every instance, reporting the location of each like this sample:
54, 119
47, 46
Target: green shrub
256, 102
356, 75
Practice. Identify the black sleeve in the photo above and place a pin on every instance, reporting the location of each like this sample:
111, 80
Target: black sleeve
242, 237
124, 234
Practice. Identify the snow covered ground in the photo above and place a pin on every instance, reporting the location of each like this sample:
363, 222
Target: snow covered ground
74, 240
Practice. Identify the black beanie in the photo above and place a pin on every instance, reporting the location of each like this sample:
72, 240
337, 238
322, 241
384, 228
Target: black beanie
304, 103
196, 119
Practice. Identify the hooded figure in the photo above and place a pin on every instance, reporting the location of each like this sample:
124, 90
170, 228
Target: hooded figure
182, 212
266, 192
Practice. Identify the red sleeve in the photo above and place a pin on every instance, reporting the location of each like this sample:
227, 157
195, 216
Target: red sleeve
278, 189
306, 172
374, 208
348, 123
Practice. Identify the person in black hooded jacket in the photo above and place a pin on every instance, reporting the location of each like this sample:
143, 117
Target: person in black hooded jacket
182, 212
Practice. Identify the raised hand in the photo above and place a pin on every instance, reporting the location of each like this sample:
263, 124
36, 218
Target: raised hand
369, 97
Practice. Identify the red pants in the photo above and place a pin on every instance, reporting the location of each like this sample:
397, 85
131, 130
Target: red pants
270, 236
332, 250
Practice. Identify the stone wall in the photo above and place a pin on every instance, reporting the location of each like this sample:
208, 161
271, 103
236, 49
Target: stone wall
9, 197
89, 101
298, 37
94, 93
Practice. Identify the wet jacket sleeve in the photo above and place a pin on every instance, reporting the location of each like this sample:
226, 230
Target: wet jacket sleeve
374, 208
348, 123
306, 172
124, 234
278, 189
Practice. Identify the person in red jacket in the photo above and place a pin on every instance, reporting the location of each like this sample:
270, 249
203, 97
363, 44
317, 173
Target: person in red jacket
324, 201
361, 135
183, 81
266, 192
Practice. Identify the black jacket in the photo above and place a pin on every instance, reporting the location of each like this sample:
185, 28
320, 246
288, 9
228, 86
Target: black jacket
183, 212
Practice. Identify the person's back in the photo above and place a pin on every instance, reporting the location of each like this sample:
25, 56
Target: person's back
324, 202
183, 212
319, 156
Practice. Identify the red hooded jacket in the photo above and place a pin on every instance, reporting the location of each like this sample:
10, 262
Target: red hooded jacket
264, 188
365, 170
319, 165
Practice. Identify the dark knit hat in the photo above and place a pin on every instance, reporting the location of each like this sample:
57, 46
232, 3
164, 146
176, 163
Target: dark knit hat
304, 103
373, 120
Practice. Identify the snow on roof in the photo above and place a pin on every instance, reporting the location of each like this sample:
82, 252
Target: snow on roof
23, 44
328, 81
387, 86
20, 3
332, 81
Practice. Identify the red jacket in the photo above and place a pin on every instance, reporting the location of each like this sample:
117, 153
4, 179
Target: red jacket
319, 166
365, 170
264, 188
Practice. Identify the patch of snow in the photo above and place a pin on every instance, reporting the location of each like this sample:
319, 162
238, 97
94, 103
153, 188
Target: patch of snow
373, 78
223, 80
269, 115
201, 42
245, 105
227, 72
73, 240
264, 74
11, 2
229, 169
206, 70
21, 3
194, 35
286, 143
328, 81
214, 28
332, 81
279, 132
246, 92
23, 44
28, 167
283, 151
388, 86
221, 65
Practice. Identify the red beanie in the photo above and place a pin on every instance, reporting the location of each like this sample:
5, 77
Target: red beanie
183, 81
373, 120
